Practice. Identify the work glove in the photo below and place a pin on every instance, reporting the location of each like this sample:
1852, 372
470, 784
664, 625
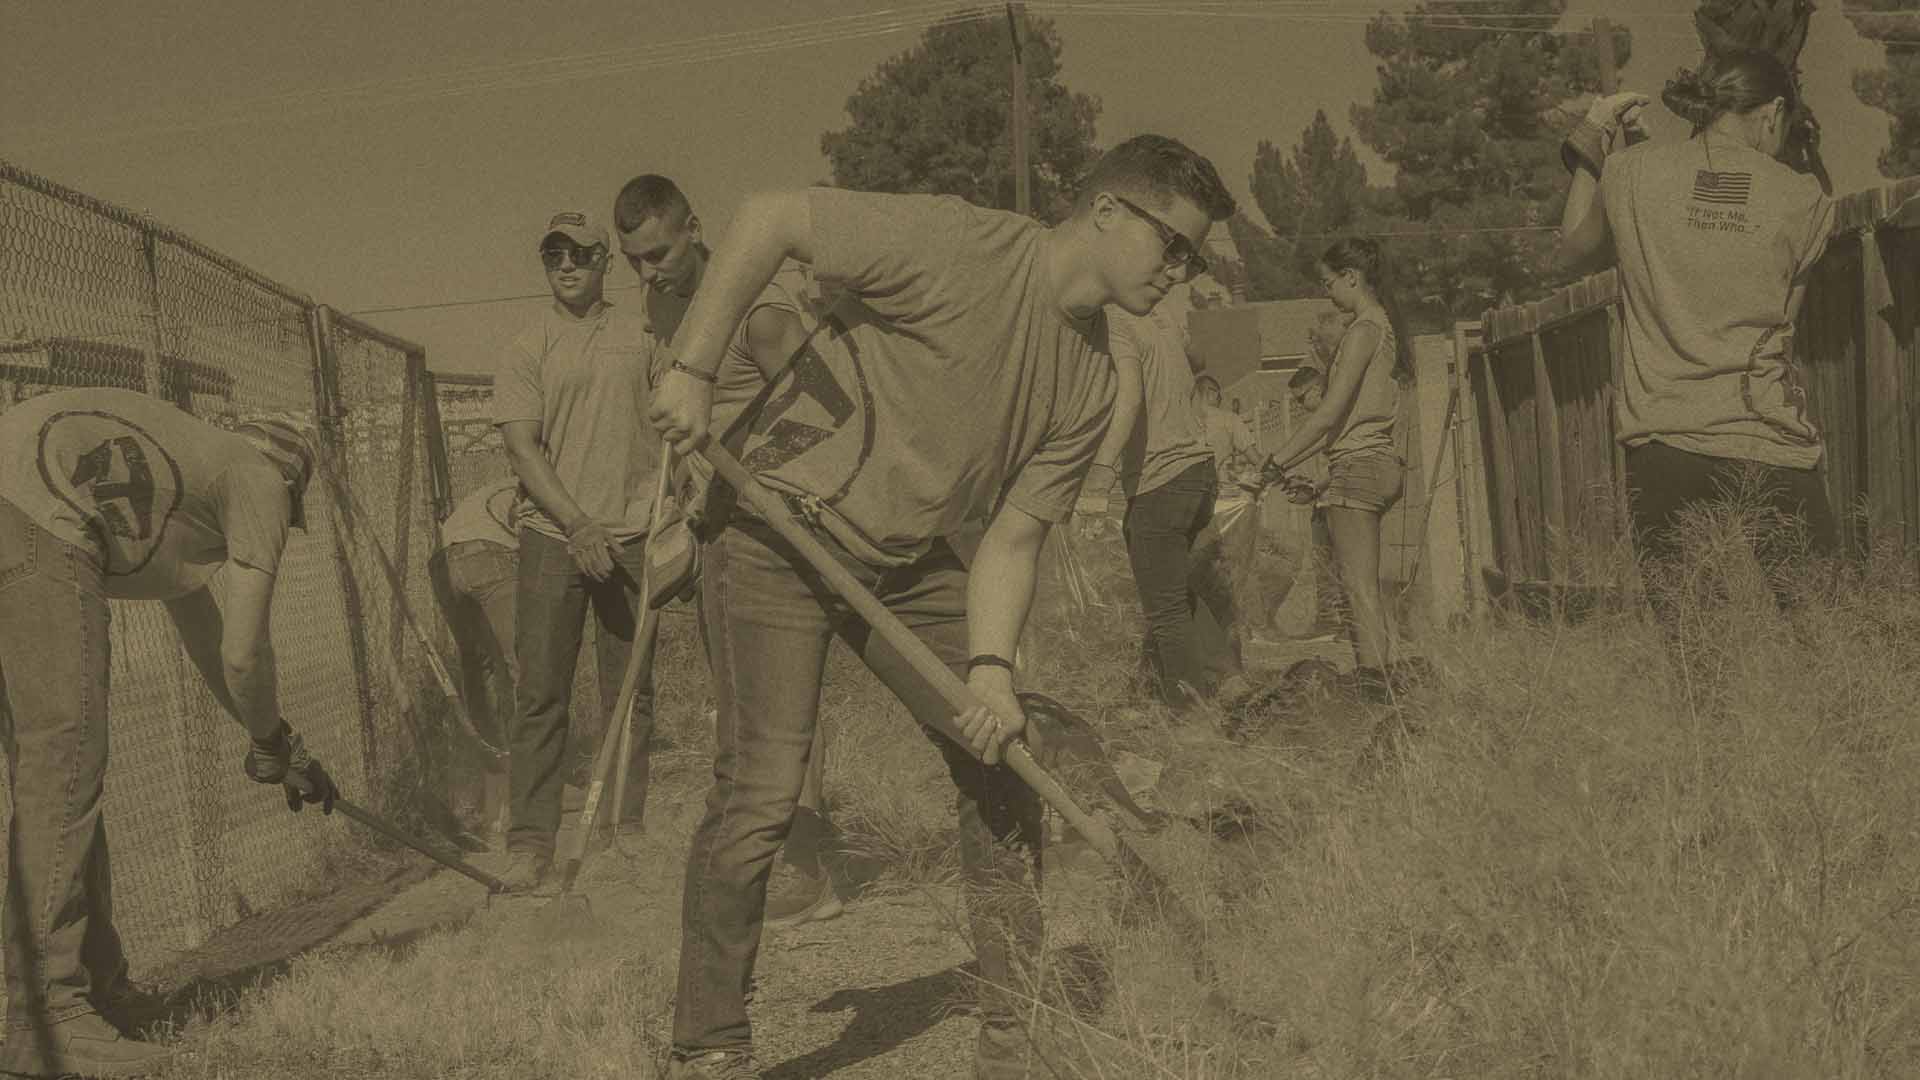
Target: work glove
1593, 138
283, 759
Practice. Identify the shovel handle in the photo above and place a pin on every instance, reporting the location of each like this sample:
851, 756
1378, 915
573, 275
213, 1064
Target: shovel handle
1018, 758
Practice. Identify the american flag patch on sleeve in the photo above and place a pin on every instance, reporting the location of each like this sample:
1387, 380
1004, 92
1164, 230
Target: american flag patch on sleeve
1724, 188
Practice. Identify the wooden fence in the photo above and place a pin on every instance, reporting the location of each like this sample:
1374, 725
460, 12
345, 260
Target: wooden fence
1541, 477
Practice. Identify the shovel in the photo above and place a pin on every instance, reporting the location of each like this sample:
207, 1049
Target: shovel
1143, 881
619, 735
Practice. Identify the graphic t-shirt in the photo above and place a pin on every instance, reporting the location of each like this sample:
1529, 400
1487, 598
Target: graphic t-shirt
946, 379
486, 515
162, 498
1711, 237
738, 381
1168, 436
585, 381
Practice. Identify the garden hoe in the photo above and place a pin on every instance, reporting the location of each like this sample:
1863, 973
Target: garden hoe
561, 911
1145, 883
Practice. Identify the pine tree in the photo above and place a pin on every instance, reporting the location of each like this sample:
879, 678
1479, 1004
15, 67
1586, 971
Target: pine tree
1474, 98
935, 120
1894, 89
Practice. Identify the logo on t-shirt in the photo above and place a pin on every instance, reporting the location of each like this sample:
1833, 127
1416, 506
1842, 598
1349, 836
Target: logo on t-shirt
122, 483
1725, 188
821, 409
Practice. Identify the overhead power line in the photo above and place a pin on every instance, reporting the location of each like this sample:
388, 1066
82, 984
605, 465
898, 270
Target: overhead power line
811, 33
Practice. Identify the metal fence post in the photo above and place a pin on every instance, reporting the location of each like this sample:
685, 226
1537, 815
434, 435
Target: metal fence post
332, 417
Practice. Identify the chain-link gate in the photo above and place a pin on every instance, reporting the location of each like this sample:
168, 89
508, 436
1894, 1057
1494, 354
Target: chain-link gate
92, 295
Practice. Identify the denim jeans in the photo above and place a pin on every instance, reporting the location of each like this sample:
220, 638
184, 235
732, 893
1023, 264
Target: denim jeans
769, 620
553, 598
1160, 529
475, 582
54, 668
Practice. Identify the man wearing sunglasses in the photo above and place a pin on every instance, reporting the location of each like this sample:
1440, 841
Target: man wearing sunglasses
569, 395
964, 374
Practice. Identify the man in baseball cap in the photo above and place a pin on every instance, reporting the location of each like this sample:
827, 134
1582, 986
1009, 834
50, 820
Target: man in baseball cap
570, 396
576, 226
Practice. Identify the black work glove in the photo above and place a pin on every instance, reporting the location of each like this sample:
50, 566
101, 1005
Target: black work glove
308, 783
268, 759
283, 759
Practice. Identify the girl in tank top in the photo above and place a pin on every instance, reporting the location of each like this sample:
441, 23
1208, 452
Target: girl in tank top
1354, 424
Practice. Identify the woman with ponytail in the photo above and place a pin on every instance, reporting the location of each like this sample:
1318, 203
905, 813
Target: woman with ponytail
1713, 237
1354, 423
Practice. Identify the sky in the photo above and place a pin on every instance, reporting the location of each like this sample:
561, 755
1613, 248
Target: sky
376, 155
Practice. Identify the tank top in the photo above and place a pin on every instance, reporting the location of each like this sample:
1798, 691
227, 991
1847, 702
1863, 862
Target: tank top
1369, 424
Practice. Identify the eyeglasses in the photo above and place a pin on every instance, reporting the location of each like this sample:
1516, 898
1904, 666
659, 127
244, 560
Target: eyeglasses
555, 257
1178, 250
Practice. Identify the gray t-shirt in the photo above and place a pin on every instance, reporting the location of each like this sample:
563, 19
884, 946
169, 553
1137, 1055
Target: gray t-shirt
163, 498
1711, 237
946, 380
1168, 435
586, 382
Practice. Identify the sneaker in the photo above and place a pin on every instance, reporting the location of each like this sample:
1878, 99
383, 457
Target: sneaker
526, 870
801, 896
714, 1065
84, 1045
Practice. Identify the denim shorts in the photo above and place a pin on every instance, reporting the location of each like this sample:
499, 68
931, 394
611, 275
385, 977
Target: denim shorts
1364, 480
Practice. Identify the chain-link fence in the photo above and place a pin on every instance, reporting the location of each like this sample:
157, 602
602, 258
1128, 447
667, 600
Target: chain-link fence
95, 296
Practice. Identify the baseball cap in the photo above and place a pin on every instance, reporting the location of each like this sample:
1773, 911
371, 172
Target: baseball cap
291, 446
576, 226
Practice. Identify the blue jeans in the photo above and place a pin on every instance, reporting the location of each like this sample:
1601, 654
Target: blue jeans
553, 598
54, 668
1183, 645
475, 583
769, 619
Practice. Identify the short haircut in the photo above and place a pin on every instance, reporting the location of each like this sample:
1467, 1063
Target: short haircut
647, 197
1206, 382
1159, 169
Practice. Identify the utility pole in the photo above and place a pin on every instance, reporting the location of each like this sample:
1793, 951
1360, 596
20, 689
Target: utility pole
1022, 170
1603, 49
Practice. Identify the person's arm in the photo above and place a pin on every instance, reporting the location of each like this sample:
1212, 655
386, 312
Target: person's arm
1357, 349
768, 229
197, 618
590, 542
1584, 240
233, 649
774, 335
1128, 402
1000, 587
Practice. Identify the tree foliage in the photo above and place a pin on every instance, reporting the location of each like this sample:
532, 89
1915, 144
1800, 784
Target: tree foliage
1474, 98
1317, 190
935, 119
1894, 89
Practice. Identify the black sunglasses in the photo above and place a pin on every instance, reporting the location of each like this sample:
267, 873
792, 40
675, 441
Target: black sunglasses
1178, 250
554, 258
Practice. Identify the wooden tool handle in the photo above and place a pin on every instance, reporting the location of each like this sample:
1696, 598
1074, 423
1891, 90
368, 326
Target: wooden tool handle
770, 507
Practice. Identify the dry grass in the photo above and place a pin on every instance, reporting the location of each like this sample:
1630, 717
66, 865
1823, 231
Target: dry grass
1608, 852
